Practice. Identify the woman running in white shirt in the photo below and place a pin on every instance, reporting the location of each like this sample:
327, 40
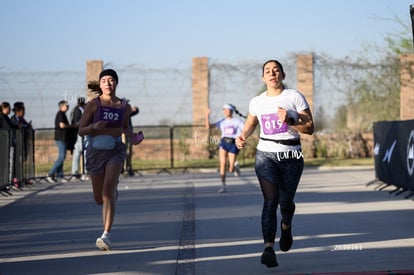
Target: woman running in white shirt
282, 115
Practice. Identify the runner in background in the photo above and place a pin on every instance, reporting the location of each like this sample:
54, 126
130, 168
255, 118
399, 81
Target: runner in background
230, 127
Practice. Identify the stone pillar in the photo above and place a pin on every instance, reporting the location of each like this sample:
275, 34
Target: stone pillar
304, 78
304, 67
200, 89
93, 69
407, 87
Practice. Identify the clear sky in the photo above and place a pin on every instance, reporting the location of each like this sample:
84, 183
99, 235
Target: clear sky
49, 35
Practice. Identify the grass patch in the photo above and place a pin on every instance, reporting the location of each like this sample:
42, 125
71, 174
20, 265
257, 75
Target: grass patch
42, 170
336, 162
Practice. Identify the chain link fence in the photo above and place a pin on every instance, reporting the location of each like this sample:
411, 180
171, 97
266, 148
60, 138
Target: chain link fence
164, 96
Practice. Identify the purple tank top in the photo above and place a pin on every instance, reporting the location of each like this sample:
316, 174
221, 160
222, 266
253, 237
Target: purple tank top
114, 116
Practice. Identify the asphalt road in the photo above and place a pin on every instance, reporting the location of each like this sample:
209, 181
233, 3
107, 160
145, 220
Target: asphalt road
179, 224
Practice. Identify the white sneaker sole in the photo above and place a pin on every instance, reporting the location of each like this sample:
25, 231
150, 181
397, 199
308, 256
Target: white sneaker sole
102, 245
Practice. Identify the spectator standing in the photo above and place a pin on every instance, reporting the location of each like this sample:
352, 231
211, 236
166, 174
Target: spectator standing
79, 146
6, 122
19, 123
61, 124
128, 162
18, 119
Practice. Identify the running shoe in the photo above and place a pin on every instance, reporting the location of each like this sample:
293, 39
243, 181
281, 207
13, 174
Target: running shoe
222, 190
84, 178
50, 179
104, 242
236, 169
63, 180
269, 257
286, 239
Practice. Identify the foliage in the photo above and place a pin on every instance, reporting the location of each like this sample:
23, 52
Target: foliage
370, 82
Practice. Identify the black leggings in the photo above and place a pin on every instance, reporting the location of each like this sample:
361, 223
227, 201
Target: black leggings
279, 179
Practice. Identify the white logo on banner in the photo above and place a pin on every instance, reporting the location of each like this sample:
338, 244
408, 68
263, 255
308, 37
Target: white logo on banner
376, 149
388, 153
410, 153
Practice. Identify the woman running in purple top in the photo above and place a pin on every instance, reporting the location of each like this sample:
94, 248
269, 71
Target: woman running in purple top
104, 120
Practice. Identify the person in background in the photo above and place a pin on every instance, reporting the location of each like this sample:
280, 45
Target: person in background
19, 123
104, 120
230, 128
61, 124
6, 122
79, 146
128, 162
282, 115
18, 119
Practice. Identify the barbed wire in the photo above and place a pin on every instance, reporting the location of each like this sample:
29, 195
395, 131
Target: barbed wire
164, 95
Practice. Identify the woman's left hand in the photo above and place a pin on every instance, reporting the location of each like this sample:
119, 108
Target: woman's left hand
240, 142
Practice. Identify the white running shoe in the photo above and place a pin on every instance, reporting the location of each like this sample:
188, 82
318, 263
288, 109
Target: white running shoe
50, 179
236, 169
222, 190
104, 242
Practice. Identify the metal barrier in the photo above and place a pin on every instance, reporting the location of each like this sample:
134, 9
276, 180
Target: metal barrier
17, 158
164, 148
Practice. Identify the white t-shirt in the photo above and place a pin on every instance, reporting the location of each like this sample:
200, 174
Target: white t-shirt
231, 127
265, 109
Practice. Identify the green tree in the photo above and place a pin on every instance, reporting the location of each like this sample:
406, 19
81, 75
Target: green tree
374, 81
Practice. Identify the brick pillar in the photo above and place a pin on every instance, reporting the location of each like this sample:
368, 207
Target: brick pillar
200, 76
93, 69
304, 67
304, 77
200, 89
407, 87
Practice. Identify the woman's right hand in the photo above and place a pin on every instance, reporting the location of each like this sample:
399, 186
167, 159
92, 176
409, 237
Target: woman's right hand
99, 124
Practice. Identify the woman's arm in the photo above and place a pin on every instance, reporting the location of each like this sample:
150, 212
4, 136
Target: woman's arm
305, 122
208, 125
249, 127
85, 128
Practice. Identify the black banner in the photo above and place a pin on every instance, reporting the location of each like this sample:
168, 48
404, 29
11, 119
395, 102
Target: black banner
394, 152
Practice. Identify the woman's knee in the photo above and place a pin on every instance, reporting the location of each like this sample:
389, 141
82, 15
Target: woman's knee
270, 204
98, 199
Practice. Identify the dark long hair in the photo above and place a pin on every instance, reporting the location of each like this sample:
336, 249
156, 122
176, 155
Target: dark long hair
237, 111
277, 63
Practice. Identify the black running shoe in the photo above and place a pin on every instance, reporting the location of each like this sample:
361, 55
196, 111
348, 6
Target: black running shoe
269, 257
286, 240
